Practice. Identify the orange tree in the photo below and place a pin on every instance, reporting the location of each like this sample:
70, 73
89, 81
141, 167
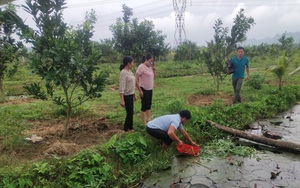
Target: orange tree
218, 50
63, 56
135, 38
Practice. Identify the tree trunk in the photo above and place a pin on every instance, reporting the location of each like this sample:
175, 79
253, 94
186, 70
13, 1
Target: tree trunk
280, 83
66, 125
279, 144
1, 89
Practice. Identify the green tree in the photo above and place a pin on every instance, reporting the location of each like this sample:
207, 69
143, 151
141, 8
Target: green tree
63, 56
186, 51
219, 49
109, 54
215, 54
242, 25
280, 69
10, 24
133, 38
286, 44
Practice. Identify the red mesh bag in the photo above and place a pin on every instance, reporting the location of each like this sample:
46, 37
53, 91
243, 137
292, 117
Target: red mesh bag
188, 149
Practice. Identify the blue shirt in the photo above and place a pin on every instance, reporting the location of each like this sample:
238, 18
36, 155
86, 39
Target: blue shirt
164, 122
239, 67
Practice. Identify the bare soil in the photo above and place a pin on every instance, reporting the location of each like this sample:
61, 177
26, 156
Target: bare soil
83, 133
205, 100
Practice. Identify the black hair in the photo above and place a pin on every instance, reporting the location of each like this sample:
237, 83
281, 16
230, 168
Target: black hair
143, 59
240, 48
149, 56
126, 60
186, 114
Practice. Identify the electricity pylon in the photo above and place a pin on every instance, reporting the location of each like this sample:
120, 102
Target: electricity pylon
179, 9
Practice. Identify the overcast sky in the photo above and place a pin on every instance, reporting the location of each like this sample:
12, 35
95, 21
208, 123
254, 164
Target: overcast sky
271, 16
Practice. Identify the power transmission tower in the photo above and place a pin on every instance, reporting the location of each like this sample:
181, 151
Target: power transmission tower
179, 9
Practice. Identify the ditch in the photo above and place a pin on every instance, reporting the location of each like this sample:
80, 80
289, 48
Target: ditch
268, 168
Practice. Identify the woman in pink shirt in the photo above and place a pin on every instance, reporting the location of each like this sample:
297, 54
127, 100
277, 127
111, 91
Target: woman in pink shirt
144, 77
127, 90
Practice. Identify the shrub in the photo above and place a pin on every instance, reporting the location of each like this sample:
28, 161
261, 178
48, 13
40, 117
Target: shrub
35, 89
175, 106
11, 130
256, 81
131, 149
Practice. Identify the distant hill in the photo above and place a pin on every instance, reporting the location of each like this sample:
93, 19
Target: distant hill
273, 40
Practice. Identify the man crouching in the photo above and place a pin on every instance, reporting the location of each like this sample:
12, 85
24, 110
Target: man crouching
163, 128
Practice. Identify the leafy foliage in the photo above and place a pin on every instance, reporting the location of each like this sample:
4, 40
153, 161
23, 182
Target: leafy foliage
242, 25
64, 57
131, 150
142, 160
136, 39
280, 69
218, 50
109, 53
10, 49
186, 51
11, 131
88, 168
175, 106
286, 44
223, 148
35, 89
256, 81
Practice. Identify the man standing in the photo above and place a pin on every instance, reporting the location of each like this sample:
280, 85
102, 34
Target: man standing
164, 127
240, 62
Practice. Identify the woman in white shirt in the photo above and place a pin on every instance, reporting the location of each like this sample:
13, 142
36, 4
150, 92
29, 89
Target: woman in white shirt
127, 90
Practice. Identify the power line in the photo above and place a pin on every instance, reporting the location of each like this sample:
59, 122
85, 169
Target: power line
140, 14
94, 3
248, 3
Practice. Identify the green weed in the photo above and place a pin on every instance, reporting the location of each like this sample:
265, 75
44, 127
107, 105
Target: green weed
223, 148
256, 81
35, 89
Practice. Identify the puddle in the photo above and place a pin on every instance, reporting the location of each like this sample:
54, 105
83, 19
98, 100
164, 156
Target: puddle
267, 170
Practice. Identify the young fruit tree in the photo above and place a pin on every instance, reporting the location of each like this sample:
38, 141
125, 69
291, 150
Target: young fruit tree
64, 57
280, 69
10, 49
219, 49
135, 38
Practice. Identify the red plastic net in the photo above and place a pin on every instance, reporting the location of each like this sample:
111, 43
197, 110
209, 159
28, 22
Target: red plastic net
188, 149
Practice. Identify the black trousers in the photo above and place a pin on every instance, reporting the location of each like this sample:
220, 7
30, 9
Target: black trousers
161, 135
146, 100
128, 125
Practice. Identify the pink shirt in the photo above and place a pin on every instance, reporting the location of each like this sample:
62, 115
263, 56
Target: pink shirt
146, 76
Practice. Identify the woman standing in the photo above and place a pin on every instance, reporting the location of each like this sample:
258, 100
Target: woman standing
144, 77
126, 90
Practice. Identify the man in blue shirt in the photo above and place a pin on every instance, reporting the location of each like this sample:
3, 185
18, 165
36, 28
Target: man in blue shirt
164, 127
240, 62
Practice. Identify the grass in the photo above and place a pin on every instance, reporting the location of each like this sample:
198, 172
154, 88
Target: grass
174, 84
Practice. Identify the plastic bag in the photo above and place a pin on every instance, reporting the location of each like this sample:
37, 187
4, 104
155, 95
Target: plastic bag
229, 67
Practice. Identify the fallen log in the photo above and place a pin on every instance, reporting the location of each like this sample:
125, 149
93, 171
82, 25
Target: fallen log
279, 144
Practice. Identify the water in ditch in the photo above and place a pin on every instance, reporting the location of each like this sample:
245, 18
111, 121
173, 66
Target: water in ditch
268, 169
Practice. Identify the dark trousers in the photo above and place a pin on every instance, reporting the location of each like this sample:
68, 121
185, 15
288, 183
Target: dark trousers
237, 86
161, 135
128, 125
146, 100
